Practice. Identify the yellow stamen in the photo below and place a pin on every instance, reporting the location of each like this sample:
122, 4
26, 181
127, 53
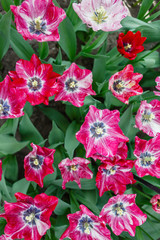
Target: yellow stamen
119, 211
86, 227
112, 171
100, 15
30, 217
128, 46
99, 130
148, 117
119, 85
34, 83
1, 108
158, 203
74, 168
38, 22
36, 162
72, 84
149, 159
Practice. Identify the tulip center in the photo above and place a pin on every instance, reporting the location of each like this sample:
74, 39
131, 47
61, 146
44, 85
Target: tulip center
34, 84
158, 203
37, 26
31, 214
85, 224
127, 47
100, 15
73, 168
71, 85
118, 86
97, 129
36, 162
147, 116
146, 159
118, 209
4, 108
110, 171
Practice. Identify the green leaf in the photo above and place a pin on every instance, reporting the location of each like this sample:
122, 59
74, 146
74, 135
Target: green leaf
10, 126
9, 145
132, 23
127, 124
99, 40
21, 47
74, 203
59, 57
50, 178
11, 167
2, 226
61, 208
28, 131
43, 50
67, 38
61, 121
56, 135
6, 4
71, 142
20, 186
5, 24
86, 184
139, 234
145, 6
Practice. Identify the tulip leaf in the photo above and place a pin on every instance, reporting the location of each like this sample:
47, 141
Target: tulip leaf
5, 23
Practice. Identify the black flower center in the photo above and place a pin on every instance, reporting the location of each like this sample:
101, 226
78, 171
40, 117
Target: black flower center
97, 129
71, 85
146, 159
118, 209
110, 171
36, 162
30, 215
4, 107
127, 47
34, 84
85, 224
147, 116
118, 86
37, 26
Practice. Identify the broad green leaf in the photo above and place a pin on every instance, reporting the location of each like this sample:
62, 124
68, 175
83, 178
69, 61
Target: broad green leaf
28, 131
50, 178
145, 6
2, 226
10, 126
20, 186
61, 208
61, 121
67, 38
11, 167
56, 135
74, 113
21, 47
71, 142
5, 189
9, 145
132, 23
127, 124
151, 32
6, 4
86, 184
5, 24
59, 57
43, 50
150, 61
74, 203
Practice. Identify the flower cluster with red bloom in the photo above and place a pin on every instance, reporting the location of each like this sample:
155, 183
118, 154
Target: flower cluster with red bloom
114, 176
155, 201
37, 80
100, 133
122, 214
148, 156
12, 101
38, 164
130, 44
85, 225
38, 19
74, 85
124, 84
28, 218
148, 117
73, 170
